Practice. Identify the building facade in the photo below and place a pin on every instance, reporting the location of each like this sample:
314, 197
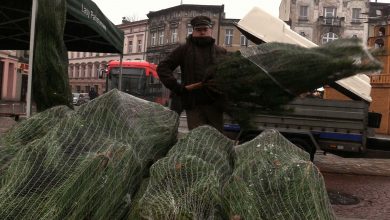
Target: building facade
170, 27
379, 39
13, 75
322, 21
230, 37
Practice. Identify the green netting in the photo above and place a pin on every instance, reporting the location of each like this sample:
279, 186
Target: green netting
85, 164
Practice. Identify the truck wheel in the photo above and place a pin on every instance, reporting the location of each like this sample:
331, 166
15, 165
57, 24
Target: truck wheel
304, 145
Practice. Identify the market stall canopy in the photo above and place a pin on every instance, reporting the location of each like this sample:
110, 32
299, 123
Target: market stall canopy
260, 26
87, 28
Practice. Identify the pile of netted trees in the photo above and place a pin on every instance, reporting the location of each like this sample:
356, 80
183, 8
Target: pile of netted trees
85, 164
116, 158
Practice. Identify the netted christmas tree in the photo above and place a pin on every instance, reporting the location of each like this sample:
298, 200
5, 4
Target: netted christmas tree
267, 76
85, 164
187, 183
203, 177
274, 179
50, 68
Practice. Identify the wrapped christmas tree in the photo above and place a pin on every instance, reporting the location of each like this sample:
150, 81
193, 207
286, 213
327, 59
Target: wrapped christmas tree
50, 79
267, 76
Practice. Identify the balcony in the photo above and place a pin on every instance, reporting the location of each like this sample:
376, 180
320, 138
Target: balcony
330, 21
380, 79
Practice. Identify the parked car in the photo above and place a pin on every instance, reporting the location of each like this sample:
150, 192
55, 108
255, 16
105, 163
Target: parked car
80, 98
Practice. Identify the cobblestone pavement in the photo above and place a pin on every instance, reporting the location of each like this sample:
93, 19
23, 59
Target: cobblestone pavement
372, 191
365, 178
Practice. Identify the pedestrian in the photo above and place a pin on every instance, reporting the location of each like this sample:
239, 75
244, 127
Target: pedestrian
92, 94
197, 59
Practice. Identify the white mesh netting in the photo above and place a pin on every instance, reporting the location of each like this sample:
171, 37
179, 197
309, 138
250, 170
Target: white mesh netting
94, 163
204, 177
187, 183
274, 179
82, 164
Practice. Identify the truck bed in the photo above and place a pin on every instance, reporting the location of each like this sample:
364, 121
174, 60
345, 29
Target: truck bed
319, 115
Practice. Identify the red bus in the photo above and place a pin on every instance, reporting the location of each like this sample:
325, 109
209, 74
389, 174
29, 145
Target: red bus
139, 78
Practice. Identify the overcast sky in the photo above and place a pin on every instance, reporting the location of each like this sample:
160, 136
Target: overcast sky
116, 9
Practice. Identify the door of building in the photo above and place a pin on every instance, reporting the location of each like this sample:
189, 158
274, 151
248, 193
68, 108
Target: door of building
23, 92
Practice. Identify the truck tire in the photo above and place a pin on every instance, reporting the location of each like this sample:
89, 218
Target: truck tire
305, 145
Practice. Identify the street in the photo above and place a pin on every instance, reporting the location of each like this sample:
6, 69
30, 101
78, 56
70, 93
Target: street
359, 188
372, 193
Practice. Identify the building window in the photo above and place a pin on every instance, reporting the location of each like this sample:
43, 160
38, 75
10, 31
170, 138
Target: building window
379, 43
382, 31
139, 46
329, 37
356, 15
189, 30
174, 35
153, 41
161, 38
378, 13
77, 72
243, 40
329, 14
303, 11
82, 74
130, 47
228, 36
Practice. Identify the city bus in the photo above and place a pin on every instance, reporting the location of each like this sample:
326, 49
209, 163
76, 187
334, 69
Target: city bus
139, 78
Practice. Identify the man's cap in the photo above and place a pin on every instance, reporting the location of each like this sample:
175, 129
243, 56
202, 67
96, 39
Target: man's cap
200, 21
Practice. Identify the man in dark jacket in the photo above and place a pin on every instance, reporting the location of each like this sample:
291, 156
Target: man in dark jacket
92, 94
197, 59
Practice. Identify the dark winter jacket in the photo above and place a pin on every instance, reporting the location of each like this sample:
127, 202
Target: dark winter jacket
197, 59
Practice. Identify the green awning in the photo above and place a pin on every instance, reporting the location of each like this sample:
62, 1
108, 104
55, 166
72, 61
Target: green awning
87, 28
